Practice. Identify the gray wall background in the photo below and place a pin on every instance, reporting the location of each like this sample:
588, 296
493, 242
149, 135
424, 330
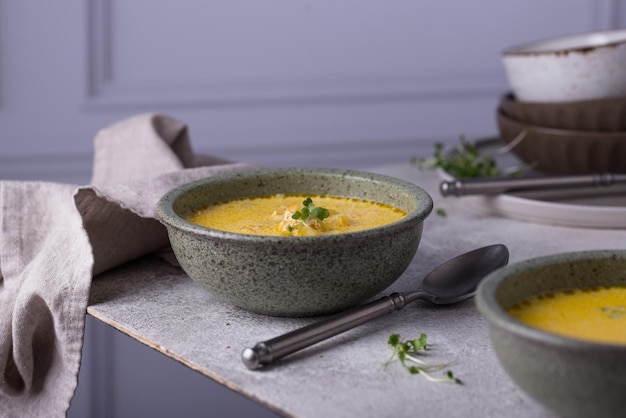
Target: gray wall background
343, 83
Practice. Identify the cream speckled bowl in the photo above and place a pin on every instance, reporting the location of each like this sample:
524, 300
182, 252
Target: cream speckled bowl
295, 276
573, 377
569, 68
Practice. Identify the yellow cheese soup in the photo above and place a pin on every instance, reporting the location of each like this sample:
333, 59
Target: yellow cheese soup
285, 215
597, 314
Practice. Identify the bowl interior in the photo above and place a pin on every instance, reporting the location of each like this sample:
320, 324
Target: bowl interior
571, 42
554, 274
524, 280
301, 181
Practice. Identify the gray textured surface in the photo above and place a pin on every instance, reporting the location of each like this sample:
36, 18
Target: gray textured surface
343, 377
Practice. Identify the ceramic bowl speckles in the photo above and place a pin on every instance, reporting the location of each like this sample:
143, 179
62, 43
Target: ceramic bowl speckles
575, 67
572, 377
295, 276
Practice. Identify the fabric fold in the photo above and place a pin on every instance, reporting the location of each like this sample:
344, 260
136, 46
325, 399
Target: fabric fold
125, 214
46, 266
54, 238
140, 147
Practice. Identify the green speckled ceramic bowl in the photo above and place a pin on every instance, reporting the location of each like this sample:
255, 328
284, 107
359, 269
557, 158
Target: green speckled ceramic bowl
295, 276
574, 378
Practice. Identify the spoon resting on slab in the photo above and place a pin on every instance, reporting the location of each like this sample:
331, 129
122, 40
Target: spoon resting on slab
454, 281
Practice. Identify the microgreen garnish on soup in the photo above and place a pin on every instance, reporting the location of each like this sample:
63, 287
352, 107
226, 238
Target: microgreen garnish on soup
310, 216
310, 209
407, 353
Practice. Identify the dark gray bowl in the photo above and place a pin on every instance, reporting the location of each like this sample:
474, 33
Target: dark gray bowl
295, 276
572, 377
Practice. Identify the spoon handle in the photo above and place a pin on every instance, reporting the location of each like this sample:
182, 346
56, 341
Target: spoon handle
492, 186
266, 352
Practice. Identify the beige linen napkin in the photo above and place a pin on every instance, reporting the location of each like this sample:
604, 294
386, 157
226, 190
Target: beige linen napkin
55, 237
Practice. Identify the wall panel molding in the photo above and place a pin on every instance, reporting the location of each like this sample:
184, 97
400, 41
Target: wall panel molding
76, 169
608, 14
106, 89
72, 169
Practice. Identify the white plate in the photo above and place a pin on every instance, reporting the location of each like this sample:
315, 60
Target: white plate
590, 207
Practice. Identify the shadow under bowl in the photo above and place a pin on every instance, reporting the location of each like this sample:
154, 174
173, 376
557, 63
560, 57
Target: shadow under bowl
575, 378
295, 276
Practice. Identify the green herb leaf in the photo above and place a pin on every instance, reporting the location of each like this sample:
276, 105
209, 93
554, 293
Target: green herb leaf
310, 209
394, 340
308, 215
407, 352
320, 213
464, 162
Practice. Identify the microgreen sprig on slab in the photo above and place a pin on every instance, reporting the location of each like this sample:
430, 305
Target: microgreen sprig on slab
407, 352
465, 162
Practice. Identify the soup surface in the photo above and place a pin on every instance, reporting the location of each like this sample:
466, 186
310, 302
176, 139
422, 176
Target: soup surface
283, 215
597, 314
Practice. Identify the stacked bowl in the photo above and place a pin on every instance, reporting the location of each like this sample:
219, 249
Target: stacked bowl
568, 103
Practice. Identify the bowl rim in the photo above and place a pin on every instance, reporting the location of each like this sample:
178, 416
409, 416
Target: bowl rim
584, 43
167, 216
491, 310
509, 98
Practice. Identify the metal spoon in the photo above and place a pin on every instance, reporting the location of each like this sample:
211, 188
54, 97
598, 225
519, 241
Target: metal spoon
493, 186
451, 282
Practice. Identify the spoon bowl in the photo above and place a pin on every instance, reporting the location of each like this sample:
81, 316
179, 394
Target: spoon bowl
454, 281
443, 286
